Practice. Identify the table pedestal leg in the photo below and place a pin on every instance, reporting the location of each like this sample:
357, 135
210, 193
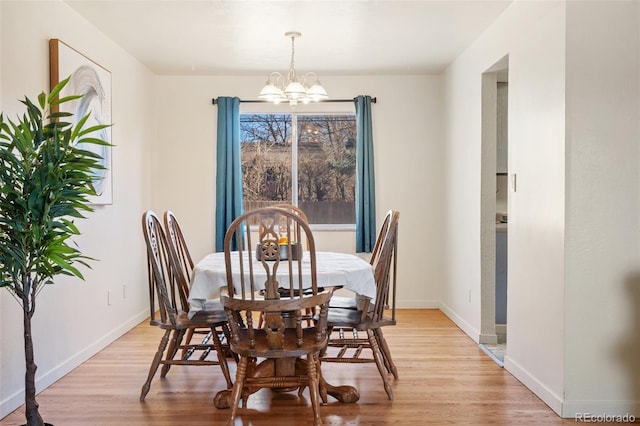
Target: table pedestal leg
267, 368
345, 394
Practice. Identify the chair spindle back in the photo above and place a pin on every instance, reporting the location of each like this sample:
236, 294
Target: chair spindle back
165, 286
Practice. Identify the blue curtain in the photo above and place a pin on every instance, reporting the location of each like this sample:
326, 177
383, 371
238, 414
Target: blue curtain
228, 167
365, 178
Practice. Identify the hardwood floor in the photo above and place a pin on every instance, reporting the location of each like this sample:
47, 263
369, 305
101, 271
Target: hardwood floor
445, 378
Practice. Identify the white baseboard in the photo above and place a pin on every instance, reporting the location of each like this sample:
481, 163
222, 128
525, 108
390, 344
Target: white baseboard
467, 328
12, 402
554, 401
583, 411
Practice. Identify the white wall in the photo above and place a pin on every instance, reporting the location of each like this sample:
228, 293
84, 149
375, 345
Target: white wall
536, 210
408, 149
531, 33
573, 279
72, 319
602, 286
462, 98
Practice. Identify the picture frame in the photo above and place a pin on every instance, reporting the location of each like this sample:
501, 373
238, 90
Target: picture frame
93, 82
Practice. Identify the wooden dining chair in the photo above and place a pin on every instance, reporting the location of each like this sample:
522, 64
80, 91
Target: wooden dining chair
345, 323
182, 255
289, 349
299, 212
181, 252
294, 209
168, 310
351, 302
178, 244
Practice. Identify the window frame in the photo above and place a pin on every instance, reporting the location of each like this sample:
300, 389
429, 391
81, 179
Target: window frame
294, 157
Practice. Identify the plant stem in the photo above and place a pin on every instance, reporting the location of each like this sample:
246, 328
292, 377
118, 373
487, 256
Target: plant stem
32, 413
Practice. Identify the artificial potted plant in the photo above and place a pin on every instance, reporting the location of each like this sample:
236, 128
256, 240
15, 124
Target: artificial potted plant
46, 177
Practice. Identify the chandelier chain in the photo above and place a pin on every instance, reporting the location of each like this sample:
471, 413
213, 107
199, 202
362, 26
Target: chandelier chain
292, 67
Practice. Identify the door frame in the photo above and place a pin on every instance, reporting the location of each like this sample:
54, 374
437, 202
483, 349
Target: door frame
488, 189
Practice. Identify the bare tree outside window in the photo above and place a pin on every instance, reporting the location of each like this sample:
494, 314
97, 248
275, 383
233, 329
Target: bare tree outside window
325, 170
266, 159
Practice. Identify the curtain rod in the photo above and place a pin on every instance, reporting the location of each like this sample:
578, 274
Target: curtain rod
258, 101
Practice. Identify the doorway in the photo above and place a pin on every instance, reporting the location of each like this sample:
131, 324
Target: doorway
494, 210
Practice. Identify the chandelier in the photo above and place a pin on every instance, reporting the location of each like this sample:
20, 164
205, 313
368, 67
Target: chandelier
277, 90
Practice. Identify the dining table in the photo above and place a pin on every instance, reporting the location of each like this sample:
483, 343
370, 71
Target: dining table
333, 269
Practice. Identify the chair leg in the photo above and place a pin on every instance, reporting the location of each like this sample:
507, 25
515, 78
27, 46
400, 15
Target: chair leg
174, 343
222, 357
241, 372
382, 342
187, 340
314, 393
154, 364
378, 357
252, 364
322, 385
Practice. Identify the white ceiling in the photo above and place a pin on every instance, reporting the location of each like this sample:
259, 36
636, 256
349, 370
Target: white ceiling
246, 37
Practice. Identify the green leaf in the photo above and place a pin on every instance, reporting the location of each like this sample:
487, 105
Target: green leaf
42, 99
65, 99
45, 184
57, 88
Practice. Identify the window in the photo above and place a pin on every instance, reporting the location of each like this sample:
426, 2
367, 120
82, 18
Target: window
307, 160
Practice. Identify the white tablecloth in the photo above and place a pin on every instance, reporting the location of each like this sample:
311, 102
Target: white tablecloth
332, 269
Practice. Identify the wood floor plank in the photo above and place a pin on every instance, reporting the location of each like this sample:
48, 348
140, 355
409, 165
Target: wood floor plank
445, 378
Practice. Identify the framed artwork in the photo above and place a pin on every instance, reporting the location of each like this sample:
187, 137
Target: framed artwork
94, 83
